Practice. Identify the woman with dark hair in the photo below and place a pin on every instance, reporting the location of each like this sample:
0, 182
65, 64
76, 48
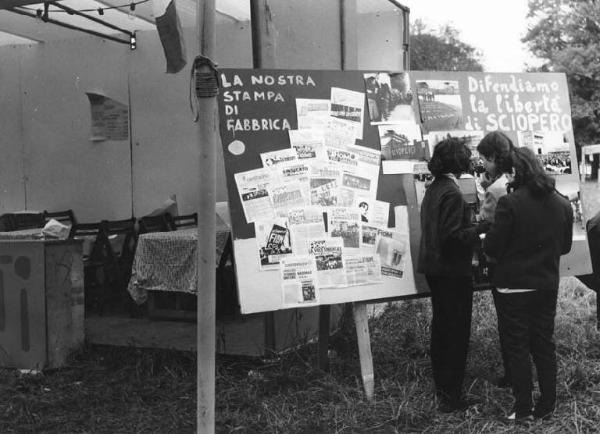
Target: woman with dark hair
447, 241
533, 227
496, 149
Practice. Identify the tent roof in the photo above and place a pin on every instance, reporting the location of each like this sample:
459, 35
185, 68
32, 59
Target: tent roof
20, 29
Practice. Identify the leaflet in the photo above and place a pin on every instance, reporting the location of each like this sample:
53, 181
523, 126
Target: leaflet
306, 225
345, 160
253, 188
344, 223
368, 237
362, 269
308, 144
299, 281
347, 106
273, 241
375, 212
356, 189
392, 251
329, 263
338, 135
324, 181
270, 159
289, 195
312, 113
293, 172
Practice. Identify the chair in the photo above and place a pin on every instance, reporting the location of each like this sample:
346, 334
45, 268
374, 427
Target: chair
119, 247
183, 221
20, 221
94, 262
157, 223
66, 217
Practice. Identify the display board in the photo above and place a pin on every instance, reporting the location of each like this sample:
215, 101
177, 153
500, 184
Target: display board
326, 169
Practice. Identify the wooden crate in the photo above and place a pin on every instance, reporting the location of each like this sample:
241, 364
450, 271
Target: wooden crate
41, 303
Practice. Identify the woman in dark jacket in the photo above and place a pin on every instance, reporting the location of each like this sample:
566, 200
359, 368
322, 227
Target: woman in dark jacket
532, 228
447, 241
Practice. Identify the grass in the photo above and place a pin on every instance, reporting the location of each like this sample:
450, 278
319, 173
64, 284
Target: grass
116, 390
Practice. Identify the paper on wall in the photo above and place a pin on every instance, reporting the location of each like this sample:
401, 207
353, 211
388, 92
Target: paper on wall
299, 281
253, 189
312, 113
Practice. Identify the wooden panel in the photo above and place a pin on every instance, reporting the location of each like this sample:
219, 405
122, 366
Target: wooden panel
64, 300
23, 338
383, 48
307, 34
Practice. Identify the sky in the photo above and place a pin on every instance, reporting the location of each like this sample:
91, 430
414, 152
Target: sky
493, 26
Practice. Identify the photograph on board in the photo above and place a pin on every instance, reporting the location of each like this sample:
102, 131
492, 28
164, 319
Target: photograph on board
389, 97
401, 142
551, 148
422, 179
569, 187
440, 105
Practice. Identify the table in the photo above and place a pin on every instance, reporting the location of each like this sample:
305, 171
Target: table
167, 261
23, 234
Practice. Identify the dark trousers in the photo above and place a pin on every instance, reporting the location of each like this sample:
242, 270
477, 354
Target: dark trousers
452, 303
527, 320
502, 339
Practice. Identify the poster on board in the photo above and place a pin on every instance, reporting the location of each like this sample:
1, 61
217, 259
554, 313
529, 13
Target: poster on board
305, 140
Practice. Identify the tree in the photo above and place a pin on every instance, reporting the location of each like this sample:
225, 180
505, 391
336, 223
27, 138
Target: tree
566, 35
441, 50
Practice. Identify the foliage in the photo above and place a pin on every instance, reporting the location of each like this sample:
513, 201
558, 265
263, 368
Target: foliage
566, 34
441, 51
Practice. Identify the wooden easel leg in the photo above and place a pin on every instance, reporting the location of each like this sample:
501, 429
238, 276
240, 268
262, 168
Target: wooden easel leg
364, 348
324, 314
598, 309
269, 318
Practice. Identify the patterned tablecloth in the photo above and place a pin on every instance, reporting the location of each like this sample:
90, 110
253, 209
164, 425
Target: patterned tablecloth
166, 261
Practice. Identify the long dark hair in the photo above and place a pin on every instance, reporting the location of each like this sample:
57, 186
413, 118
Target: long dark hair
530, 173
497, 144
451, 155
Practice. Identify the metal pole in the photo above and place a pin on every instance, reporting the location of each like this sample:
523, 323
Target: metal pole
208, 124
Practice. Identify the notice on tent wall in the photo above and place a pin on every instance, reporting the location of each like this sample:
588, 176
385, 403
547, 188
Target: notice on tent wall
326, 169
110, 118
